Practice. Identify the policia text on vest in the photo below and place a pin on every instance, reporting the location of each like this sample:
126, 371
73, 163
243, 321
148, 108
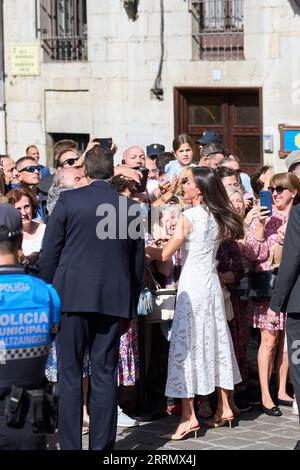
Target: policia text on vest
29, 318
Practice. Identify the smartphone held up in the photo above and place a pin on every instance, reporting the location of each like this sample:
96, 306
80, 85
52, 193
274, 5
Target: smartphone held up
265, 199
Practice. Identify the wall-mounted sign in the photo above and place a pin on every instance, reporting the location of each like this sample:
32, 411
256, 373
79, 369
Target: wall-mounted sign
25, 59
289, 139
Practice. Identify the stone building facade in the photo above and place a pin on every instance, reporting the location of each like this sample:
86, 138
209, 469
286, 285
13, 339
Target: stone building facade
109, 94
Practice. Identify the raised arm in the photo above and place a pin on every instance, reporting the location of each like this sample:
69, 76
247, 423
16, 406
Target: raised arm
180, 235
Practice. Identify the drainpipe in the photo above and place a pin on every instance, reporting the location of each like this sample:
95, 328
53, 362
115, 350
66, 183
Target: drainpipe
2, 86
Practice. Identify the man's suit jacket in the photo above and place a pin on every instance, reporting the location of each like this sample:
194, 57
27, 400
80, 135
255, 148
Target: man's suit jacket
286, 294
92, 274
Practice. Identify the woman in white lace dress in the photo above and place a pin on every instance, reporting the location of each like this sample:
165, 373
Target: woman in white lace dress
201, 357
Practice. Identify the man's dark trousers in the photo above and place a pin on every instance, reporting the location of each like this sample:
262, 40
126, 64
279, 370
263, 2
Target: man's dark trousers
100, 334
293, 340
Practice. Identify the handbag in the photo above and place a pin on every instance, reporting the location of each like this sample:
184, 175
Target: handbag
261, 284
164, 302
145, 304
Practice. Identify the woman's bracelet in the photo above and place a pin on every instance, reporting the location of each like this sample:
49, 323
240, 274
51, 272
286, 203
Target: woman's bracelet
280, 243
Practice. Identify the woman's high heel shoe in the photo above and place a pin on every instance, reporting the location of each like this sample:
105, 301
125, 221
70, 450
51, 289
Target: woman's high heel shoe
177, 436
218, 421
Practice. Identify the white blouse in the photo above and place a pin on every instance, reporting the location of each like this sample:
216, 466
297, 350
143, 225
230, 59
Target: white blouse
34, 244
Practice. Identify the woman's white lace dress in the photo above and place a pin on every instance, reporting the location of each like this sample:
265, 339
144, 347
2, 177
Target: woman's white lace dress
201, 353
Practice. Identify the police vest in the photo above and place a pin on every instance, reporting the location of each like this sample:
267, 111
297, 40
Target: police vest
29, 317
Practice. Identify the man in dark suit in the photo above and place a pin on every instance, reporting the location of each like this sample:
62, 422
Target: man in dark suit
94, 256
286, 296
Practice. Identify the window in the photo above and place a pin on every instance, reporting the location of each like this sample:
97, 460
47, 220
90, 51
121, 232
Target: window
220, 29
51, 139
64, 30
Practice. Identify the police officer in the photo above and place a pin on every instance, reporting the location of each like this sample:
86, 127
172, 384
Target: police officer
29, 317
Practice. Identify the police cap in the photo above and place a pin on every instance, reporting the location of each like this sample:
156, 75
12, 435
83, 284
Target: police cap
10, 223
154, 150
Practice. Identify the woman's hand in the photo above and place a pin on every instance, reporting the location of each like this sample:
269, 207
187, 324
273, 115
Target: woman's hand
153, 253
263, 214
164, 187
252, 214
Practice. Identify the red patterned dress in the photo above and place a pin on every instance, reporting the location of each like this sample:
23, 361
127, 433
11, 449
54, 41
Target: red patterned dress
259, 253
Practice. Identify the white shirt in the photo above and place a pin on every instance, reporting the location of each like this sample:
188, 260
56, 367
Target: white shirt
30, 245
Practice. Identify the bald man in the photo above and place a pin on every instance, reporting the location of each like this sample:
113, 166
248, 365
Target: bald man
134, 156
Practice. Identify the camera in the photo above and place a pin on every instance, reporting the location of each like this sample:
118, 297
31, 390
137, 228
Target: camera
142, 186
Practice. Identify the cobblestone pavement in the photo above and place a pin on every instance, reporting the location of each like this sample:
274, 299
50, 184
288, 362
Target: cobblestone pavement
251, 431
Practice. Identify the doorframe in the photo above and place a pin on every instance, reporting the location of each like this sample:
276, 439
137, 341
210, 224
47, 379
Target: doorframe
181, 107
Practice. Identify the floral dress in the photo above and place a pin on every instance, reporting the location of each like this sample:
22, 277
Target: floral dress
51, 366
259, 252
128, 369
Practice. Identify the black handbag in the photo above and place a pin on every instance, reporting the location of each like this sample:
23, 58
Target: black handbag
261, 284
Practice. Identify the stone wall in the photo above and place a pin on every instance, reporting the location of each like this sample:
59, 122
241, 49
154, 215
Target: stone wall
110, 94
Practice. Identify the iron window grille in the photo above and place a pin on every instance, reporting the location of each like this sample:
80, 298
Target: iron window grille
64, 30
220, 33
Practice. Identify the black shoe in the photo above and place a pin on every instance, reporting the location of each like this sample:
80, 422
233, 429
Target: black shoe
275, 411
285, 402
297, 446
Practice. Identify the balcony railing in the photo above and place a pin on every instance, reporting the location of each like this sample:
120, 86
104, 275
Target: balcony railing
220, 33
220, 46
65, 48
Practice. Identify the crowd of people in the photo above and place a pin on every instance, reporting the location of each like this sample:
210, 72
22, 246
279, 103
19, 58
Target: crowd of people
205, 236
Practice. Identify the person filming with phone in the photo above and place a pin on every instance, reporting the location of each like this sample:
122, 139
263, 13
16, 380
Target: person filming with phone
263, 235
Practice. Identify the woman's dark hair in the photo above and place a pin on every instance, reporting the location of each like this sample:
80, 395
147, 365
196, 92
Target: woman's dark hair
99, 163
182, 139
15, 195
215, 196
256, 183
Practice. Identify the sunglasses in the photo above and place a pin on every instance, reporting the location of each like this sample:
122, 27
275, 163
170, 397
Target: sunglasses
278, 189
30, 169
70, 161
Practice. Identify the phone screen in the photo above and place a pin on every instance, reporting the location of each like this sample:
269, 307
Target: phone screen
265, 198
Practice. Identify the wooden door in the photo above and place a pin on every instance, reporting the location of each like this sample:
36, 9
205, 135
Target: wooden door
233, 113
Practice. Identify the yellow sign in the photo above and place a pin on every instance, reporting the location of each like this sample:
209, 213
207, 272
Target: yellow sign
25, 59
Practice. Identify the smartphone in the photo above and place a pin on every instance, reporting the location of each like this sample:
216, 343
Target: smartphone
142, 186
265, 199
104, 143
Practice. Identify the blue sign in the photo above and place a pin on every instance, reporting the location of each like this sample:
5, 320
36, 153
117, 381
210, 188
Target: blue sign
291, 140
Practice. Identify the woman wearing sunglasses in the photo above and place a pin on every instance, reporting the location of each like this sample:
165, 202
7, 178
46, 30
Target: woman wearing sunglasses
262, 237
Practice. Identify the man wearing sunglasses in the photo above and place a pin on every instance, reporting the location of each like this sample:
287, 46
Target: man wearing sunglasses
29, 177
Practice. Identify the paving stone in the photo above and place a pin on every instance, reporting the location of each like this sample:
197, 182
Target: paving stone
283, 442
233, 442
